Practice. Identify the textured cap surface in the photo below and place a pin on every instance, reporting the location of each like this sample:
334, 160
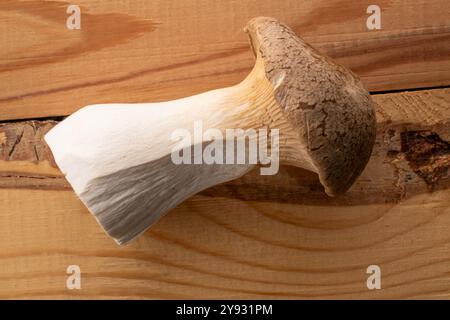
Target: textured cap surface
325, 101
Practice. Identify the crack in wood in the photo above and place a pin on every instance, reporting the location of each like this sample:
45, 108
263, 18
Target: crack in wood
427, 154
13, 147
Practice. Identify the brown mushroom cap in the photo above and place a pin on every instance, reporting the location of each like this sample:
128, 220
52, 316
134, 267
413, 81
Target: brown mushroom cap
325, 101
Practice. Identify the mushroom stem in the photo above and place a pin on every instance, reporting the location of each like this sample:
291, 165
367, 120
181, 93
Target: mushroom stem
118, 157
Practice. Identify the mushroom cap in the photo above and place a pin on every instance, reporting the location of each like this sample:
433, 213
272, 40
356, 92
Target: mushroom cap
324, 101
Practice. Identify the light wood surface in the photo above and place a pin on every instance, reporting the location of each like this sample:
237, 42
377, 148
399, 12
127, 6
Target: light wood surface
144, 51
256, 237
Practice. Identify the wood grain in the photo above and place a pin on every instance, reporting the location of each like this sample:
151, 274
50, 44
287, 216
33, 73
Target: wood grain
256, 237
143, 51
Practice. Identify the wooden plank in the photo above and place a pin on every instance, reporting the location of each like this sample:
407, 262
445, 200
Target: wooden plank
136, 51
256, 237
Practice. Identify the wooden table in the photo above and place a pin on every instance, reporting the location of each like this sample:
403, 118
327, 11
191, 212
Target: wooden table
256, 237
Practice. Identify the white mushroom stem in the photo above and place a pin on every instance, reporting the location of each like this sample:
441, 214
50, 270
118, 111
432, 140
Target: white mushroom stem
117, 157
